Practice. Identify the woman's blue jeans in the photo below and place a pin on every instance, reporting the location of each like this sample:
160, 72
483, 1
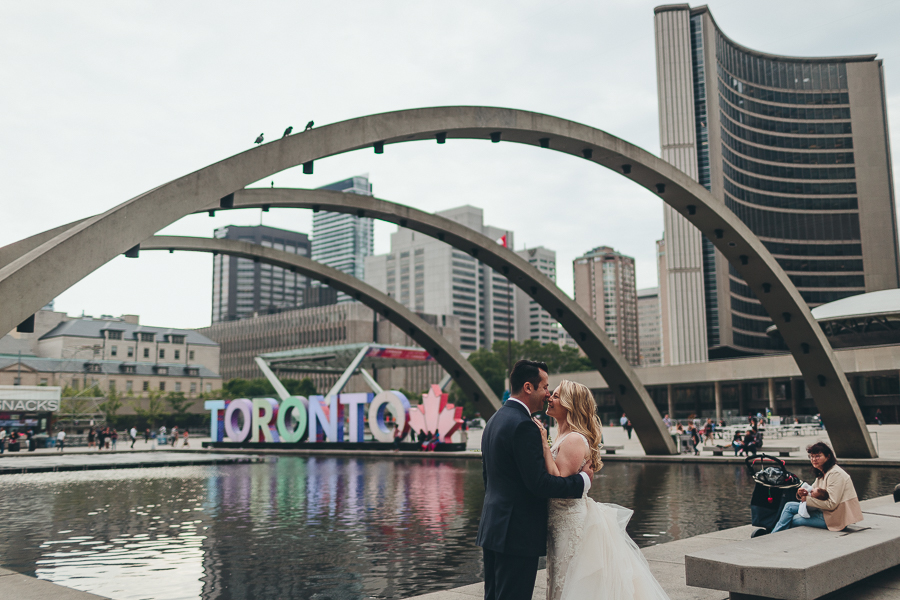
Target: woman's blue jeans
790, 518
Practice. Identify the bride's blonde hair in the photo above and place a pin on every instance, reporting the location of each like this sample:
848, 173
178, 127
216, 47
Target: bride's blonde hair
582, 416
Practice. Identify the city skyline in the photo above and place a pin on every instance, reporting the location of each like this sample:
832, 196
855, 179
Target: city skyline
114, 137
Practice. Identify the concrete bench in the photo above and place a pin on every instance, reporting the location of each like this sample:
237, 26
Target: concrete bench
782, 451
802, 563
612, 449
718, 450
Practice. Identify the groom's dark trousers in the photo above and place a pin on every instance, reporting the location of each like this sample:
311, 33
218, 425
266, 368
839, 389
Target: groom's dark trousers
513, 528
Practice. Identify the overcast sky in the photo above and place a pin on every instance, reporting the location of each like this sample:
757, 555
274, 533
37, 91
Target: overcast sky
102, 101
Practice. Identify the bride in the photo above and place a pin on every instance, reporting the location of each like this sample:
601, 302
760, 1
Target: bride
589, 554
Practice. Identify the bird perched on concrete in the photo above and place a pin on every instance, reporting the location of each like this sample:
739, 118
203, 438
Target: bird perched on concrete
259, 140
287, 132
309, 126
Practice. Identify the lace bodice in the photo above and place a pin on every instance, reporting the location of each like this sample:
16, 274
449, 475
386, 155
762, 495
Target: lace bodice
554, 449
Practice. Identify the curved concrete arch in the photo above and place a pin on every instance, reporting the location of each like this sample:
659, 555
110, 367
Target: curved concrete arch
38, 276
463, 373
602, 352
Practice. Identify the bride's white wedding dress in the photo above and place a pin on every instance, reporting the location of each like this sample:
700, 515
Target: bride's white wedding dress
589, 553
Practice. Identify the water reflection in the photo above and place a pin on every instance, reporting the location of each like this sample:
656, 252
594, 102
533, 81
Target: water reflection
316, 527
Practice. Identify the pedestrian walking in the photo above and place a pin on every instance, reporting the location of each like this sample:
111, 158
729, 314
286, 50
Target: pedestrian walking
878, 416
147, 436
92, 437
2, 439
186, 436
113, 437
133, 433
60, 440
626, 425
174, 435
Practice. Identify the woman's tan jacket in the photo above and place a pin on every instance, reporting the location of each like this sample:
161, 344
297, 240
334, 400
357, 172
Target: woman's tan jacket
842, 507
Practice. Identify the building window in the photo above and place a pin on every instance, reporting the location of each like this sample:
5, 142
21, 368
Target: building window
193, 388
113, 350
177, 354
162, 353
17, 381
130, 352
191, 355
114, 335
208, 388
112, 385
43, 381
162, 386
129, 386
146, 352
146, 386
146, 337
176, 339
177, 386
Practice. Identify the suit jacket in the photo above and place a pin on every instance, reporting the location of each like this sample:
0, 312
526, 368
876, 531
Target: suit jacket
517, 485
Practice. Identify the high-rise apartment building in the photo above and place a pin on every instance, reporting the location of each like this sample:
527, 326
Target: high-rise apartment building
532, 321
427, 275
605, 288
243, 288
649, 331
798, 148
343, 241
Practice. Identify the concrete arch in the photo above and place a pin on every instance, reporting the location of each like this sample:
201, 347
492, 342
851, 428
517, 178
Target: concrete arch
38, 276
463, 373
602, 352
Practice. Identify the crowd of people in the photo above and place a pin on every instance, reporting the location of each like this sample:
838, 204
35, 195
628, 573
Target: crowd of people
13, 440
101, 438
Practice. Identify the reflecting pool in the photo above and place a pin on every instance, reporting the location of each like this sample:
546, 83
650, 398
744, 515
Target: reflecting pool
323, 528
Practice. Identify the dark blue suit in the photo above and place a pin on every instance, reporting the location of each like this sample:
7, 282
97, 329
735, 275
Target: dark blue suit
513, 527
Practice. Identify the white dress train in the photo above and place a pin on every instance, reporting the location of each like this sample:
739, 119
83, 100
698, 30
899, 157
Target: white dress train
589, 553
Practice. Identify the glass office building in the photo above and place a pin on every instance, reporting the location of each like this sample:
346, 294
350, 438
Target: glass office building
798, 148
245, 288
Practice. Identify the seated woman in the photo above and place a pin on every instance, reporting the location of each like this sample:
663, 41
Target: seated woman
737, 443
834, 509
750, 445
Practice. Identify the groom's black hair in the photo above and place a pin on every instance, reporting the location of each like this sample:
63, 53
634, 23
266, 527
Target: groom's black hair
525, 370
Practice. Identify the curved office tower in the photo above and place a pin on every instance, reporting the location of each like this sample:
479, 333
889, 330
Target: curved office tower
798, 149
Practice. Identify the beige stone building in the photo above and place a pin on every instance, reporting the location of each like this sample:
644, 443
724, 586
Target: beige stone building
113, 353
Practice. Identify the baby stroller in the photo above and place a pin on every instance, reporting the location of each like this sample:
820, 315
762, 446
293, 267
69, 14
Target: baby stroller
775, 487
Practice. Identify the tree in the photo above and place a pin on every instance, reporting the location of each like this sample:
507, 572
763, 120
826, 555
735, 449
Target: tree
73, 405
180, 406
494, 364
111, 406
261, 388
154, 410
302, 387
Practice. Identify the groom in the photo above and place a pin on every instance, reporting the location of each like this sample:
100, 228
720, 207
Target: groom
513, 528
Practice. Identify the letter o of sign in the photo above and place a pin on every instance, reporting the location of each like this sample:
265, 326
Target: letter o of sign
297, 406
245, 407
397, 403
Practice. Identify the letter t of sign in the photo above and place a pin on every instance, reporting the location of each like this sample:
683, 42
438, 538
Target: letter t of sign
215, 407
356, 405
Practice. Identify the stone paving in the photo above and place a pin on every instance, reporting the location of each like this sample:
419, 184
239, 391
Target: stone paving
885, 437
22, 587
667, 565
37, 463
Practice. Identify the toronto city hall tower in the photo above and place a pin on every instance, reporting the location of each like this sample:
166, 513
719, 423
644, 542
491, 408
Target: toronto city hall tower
798, 149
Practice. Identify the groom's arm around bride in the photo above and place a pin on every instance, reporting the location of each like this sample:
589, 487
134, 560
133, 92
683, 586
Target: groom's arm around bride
513, 527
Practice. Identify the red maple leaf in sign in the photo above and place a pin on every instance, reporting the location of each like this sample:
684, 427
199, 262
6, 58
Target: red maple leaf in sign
435, 414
